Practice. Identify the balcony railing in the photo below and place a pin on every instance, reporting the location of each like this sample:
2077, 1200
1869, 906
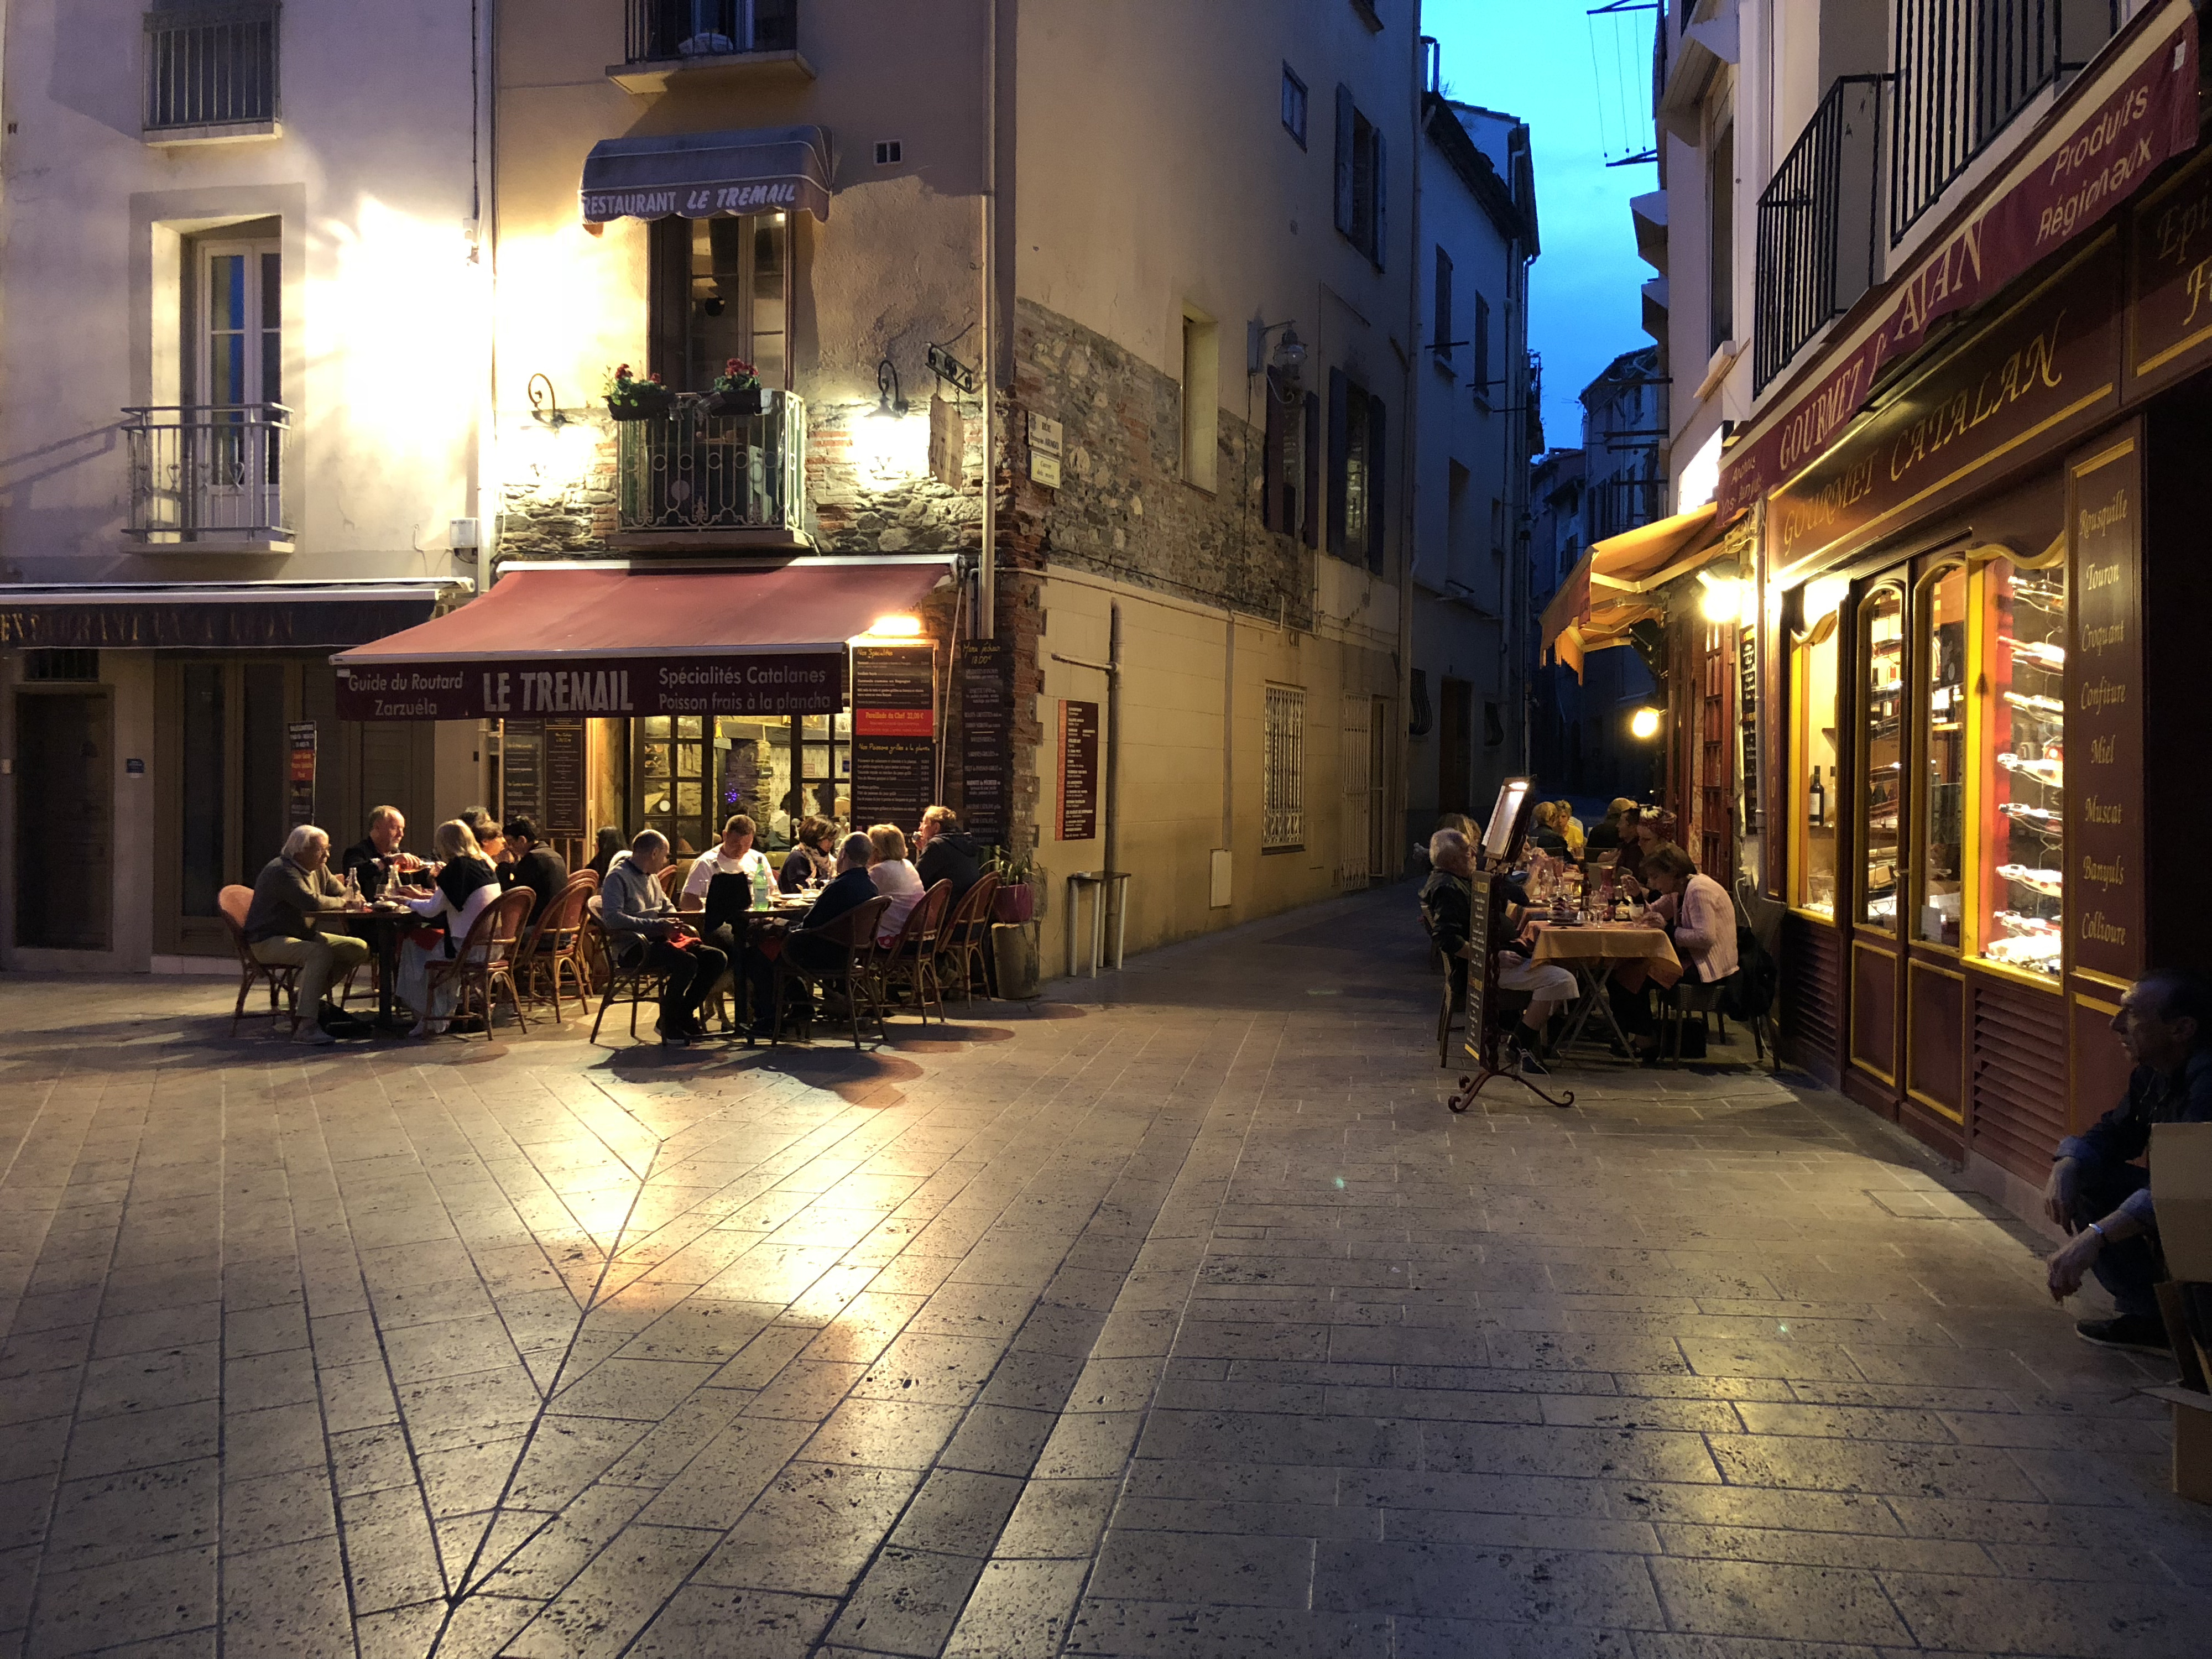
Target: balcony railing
663, 29
692, 472
213, 473
211, 65
1819, 224
1617, 504
1964, 68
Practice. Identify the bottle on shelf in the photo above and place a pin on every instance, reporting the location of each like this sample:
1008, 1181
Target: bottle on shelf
2050, 772
2035, 818
2034, 705
1818, 813
2043, 655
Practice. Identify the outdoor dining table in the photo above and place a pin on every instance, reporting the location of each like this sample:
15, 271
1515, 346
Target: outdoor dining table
382, 927
1636, 953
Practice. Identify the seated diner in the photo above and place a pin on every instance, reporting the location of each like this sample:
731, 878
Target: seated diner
293, 895
894, 876
375, 859
644, 932
1447, 900
467, 881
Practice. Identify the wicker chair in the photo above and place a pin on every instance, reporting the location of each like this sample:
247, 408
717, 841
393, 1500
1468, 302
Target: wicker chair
639, 981
281, 978
485, 962
964, 945
911, 958
852, 933
555, 947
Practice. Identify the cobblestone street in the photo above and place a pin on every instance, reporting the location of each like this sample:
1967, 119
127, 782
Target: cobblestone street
1171, 1315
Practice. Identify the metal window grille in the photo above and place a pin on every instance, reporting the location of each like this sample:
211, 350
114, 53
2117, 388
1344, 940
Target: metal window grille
662, 29
1964, 68
1282, 771
1818, 223
211, 65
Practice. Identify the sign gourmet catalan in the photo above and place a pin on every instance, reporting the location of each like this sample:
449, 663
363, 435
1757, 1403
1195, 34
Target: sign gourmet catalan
811, 683
2104, 713
2124, 121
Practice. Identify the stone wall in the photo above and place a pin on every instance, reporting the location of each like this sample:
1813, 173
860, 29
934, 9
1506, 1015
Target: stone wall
1122, 508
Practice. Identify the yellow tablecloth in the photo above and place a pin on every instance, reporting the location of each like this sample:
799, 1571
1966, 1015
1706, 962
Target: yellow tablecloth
1634, 951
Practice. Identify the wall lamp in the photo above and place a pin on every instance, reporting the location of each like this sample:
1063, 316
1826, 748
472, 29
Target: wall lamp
1290, 355
1644, 723
891, 400
545, 405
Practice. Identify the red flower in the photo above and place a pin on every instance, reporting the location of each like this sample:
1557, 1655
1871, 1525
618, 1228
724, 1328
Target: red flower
656, 377
621, 371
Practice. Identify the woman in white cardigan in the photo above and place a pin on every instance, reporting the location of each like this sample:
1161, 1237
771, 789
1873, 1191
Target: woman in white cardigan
467, 882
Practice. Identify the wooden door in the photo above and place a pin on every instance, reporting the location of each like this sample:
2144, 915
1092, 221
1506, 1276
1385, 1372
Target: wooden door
65, 828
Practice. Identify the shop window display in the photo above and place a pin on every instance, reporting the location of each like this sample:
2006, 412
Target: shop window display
1942, 607
1882, 796
2022, 756
1813, 693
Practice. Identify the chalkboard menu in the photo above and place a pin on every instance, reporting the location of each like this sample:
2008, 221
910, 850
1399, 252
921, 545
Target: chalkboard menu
522, 771
564, 778
894, 733
299, 773
1482, 952
2104, 838
1078, 771
987, 740
1747, 645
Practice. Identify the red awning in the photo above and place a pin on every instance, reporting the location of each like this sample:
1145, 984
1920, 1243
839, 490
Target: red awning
620, 639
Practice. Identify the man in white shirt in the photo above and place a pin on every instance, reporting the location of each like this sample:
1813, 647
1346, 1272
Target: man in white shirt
736, 856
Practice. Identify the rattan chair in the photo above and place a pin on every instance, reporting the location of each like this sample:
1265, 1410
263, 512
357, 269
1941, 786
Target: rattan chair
555, 947
281, 978
853, 935
963, 944
485, 963
641, 982
910, 959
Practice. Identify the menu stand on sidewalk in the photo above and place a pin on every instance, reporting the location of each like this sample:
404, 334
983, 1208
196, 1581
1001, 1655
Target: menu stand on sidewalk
1485, 923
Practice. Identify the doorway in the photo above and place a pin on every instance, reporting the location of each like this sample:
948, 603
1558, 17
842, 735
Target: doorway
1456, 744
64, 821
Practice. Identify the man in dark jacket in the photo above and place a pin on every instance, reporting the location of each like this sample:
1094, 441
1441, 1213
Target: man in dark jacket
850, 889
2098, 1192
948, 853
532, 865
376, 858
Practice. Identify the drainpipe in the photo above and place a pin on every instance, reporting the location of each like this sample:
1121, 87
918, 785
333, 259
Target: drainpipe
986, 568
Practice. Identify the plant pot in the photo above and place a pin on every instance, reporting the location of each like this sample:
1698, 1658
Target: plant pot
733, 403
644, 403
1015, 902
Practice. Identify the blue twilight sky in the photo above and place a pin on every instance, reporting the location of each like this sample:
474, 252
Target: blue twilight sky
1583, 85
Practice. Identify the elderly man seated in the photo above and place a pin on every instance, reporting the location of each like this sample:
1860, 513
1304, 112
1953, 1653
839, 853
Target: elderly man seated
295, 891
1447, 900
2098, 1192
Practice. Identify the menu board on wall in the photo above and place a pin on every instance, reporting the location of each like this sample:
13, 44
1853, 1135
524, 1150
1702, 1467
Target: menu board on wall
1078, 771
2104, 714
987, 740
894, 733
522, 771
564, 778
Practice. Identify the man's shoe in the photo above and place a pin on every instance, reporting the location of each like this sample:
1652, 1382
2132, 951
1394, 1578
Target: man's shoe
674, 1033
2133, 1331
313, 1036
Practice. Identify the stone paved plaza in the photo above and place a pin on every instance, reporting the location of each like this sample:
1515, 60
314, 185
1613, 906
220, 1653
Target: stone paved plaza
1171, 1315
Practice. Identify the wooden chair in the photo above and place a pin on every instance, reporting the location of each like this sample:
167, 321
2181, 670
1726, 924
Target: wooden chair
911, 958
281, 978
555, 947
639, 981
853, 935
485, 962
963, 943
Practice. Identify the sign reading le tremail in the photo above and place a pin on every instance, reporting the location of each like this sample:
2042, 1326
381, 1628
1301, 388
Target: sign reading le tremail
802, 683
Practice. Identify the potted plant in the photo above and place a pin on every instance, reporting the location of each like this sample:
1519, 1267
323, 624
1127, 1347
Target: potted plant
736, 390
1016, 899
629, 399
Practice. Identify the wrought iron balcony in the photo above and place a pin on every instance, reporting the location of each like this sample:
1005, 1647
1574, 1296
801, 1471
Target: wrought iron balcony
211, 474
692, 472
1819, 224
211, 65
663, 29
1614, 505
1965, 69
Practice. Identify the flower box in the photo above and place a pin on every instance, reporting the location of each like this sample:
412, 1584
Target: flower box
642, 401
744, 403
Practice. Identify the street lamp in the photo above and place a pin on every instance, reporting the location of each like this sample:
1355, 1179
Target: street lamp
1644, 723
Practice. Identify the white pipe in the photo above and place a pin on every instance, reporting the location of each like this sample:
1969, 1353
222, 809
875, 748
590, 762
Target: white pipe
986, 568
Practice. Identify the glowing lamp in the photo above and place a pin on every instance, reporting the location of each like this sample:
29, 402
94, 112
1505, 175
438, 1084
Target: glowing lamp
1644, 723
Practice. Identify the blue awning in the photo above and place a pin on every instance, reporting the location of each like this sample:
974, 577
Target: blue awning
701, 175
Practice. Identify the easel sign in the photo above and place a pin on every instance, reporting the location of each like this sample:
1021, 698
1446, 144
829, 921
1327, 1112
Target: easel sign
1489, 922
1508, 829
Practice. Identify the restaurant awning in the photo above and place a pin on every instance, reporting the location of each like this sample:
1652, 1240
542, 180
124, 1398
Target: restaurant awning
647, 639
1615, 584
253, 616
699, 175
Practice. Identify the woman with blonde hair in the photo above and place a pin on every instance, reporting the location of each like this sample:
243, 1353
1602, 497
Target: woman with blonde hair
1570, 828
467, 882
892, 874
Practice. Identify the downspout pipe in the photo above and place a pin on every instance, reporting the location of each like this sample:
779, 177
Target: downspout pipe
987, 566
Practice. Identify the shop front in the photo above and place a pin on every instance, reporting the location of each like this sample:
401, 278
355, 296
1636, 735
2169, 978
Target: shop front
669, 694
1973, 596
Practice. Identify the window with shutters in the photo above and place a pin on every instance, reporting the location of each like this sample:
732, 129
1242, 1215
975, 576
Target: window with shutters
1481, 341
1359, 178
1441, 341
1356, 506
1294, 105
1282, 771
